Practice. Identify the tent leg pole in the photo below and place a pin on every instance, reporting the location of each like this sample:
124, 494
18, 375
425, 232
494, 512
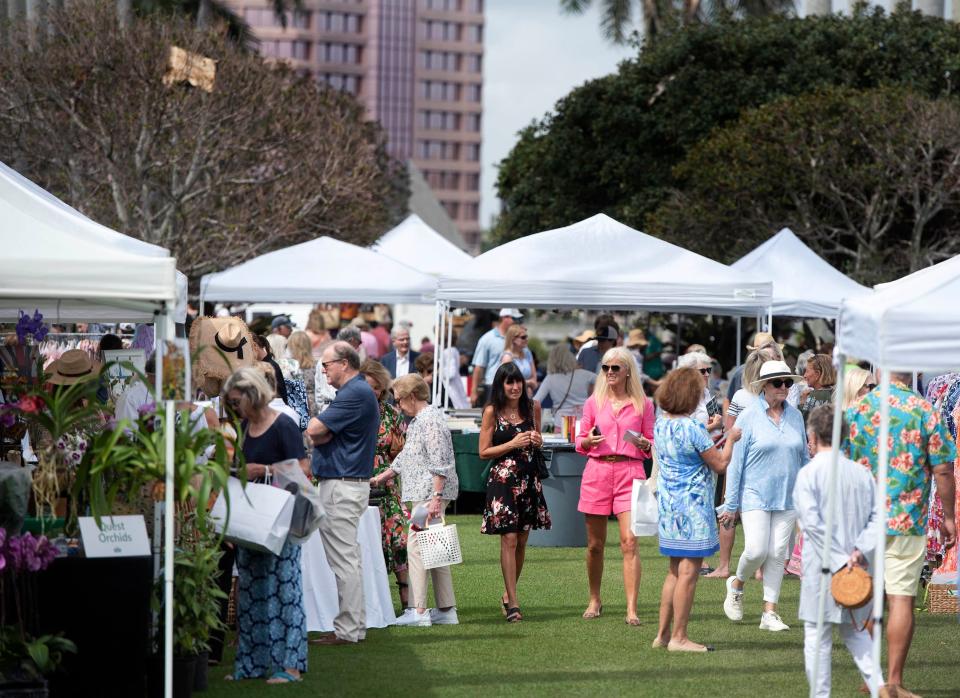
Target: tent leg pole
679, 325
839, 362
739, 337
770, 319
168, 542
444, 383
881, 516
438, 330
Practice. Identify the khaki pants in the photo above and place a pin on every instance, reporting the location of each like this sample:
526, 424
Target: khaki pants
344, 503
442, 579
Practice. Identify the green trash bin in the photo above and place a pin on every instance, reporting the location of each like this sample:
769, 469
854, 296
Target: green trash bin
472, 470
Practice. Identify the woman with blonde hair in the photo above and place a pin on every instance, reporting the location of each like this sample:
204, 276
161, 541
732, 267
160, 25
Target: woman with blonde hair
857, 382
515, 349
616, 433
317, 332
820, 377
301, 351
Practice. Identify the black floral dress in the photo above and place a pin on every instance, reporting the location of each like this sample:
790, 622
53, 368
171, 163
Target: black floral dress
514, 494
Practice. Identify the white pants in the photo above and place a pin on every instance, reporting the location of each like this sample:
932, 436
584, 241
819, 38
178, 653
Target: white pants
859, 644
344, 503
417, 573
766, 540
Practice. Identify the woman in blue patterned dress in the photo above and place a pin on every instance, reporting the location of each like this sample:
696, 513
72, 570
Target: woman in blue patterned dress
688, 525
271, 623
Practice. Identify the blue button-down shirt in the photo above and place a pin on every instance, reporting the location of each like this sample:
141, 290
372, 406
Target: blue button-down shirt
766, 460
487, 354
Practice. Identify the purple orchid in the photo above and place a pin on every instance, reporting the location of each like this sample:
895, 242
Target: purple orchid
31, 326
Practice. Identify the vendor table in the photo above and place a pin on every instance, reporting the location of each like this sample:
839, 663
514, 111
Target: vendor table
320, 586
562, 492
471, 469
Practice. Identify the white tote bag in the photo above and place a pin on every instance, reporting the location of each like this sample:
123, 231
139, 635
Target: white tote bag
259, 515
439, 545
644, 513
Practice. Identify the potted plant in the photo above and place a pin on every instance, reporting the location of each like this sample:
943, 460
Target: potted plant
25, 658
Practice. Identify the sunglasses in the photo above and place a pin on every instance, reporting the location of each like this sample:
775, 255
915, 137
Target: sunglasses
870, 386
233, 403
706, 371
523, 336
332, 361
779, 383
611, 367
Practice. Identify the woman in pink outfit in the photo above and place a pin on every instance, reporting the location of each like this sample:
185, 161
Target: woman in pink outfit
615, 434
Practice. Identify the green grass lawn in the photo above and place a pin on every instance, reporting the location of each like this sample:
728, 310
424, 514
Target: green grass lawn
553, 652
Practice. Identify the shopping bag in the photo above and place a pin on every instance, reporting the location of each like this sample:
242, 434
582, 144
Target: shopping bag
259, 515
307, 508
644, 514
439, 545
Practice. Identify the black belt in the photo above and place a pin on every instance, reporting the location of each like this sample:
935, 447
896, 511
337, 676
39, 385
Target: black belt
346, 479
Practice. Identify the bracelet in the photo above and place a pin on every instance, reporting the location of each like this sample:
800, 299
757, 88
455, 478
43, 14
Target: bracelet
437, 494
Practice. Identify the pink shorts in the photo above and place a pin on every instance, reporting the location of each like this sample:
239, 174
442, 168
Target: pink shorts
606, 487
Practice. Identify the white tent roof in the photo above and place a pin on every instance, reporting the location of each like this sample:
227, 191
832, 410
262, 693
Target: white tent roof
601, 263
910, 324
69, 267
417, 245
320, 270
804, 284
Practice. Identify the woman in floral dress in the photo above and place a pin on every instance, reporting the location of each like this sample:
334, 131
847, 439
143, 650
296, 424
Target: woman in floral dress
393, 515
509, 433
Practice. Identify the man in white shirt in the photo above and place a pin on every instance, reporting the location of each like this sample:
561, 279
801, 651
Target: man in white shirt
400, 361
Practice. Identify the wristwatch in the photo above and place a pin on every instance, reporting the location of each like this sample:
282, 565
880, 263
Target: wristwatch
437, 494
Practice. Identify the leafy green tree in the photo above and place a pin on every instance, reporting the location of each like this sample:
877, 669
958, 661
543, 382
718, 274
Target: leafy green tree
612, 144
871, 179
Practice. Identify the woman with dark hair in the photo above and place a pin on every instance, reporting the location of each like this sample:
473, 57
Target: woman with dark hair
509, 433
263, 352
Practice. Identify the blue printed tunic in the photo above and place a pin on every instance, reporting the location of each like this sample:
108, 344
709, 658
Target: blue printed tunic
688, 524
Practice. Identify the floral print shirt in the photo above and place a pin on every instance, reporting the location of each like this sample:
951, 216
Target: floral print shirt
918, 442
428, 451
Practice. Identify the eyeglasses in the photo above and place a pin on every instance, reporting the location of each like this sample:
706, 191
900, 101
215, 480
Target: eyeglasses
870, 386
523, 336
233, 403
611, 367
327, 363
706, 371
779, 383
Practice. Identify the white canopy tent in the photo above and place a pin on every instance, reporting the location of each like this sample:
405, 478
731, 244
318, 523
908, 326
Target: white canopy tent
70, 268
601, 263
804, 284
419, 246
320, 270
908, 325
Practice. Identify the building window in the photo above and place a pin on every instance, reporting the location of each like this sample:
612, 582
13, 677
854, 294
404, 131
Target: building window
474, 63
473, 181
300, 19
472, 152
474, 93
473, 123
453, 208
475, 6
474, 33
301, 50
471, 211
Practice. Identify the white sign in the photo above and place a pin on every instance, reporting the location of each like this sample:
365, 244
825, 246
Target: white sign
117, 536
119, 373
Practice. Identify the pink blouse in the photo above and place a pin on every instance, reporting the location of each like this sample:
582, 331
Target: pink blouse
613, 427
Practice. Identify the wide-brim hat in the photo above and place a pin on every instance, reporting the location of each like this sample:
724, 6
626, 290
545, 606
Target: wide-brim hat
636, 338
73, 366
774, 369
584, 336
221, 345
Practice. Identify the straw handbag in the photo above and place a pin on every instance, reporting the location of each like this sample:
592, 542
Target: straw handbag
852, 587
439, 545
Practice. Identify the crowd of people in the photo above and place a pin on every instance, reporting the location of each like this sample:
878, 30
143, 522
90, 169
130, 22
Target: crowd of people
755, 458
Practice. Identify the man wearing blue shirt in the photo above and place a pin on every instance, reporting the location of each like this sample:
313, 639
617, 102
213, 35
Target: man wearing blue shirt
486, 358
345, 438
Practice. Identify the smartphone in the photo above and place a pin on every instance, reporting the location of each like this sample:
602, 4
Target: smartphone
596, 430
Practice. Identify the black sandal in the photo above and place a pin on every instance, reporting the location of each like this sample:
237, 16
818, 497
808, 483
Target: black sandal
513, 615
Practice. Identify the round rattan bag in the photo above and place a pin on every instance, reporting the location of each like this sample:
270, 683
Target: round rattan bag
852, 587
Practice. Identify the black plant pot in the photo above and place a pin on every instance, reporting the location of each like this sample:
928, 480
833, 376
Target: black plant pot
200, 672
184, 671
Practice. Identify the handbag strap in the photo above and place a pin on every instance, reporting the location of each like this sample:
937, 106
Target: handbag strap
566, 394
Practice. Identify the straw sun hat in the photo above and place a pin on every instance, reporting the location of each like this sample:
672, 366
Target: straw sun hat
73, 366
226, 344
774, 369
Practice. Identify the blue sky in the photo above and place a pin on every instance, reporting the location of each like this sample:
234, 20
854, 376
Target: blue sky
534, 55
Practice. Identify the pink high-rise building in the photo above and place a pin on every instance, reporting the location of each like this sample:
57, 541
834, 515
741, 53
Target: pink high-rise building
417, 65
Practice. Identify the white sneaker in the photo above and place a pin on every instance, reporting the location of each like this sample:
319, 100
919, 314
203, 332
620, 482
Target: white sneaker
449, 617
733, 604
412, 617
771, 621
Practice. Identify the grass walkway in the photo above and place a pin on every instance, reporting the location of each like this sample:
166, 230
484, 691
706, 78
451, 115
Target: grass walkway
552, 652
